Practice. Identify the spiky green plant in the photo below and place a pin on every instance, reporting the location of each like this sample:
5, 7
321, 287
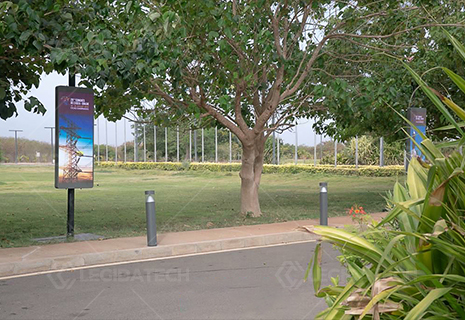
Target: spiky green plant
413, 268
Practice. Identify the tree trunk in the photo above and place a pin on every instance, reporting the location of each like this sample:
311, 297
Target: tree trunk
251, 173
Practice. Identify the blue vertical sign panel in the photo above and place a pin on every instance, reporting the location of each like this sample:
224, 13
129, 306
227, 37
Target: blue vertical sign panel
418, 117
74, 147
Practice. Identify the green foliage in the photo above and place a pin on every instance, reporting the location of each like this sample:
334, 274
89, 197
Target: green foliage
27, 150
366, 171
411, 264
368, 152
362, 82
84, 37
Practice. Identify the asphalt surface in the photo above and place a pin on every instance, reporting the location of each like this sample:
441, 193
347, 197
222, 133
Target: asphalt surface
263, 283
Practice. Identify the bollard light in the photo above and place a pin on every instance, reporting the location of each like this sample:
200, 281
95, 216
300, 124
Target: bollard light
323, 204
151, 221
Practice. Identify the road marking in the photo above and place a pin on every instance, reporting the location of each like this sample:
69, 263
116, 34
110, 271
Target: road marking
149, 260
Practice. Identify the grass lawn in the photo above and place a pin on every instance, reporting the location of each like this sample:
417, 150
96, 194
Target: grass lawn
30, 206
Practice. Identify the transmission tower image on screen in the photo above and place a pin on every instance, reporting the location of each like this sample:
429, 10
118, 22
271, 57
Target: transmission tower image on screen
74, 120
71, 170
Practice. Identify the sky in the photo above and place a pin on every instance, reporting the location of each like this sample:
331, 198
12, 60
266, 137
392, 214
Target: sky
33, 125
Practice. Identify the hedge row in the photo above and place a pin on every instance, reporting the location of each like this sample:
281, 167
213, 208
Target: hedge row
370, 171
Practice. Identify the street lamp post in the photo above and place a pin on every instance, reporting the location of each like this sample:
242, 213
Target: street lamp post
51, 141
16, 143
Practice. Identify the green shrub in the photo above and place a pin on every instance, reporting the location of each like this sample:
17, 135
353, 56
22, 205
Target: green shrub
368, 152
411, 265
370, 171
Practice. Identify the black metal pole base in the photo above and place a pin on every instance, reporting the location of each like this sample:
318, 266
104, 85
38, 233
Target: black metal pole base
70, 224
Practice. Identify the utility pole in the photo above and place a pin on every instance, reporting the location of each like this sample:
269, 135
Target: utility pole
135, 142
296, 143
230, 147
279, 142
190, 145
274, 141
381, 152
203, 153
216, 144
314, 150
335, 153
124, 135
51, 141
166, 144
145, 147
106, 140
116, 143
177, 144
16, 143
195, 145
98, 141
155, 143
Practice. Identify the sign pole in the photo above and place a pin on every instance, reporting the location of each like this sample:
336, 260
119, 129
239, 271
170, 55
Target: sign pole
70, 217
74, 142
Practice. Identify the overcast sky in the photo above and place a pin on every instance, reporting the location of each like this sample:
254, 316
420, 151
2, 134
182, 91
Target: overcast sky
33, 125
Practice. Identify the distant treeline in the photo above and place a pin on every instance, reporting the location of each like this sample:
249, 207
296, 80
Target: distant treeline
28, 150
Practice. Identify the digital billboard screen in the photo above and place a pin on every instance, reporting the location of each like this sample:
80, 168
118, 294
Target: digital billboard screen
74, 137
418, 117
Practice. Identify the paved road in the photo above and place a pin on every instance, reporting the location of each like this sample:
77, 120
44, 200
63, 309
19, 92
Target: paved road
264, 283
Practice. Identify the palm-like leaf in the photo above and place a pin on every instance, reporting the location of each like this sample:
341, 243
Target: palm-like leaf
425, 253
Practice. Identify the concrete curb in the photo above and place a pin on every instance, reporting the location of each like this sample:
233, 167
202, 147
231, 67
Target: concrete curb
161, 251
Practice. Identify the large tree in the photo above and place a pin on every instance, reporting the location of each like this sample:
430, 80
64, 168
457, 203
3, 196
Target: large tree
38, 37
362, 84
240, 63
233, 63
